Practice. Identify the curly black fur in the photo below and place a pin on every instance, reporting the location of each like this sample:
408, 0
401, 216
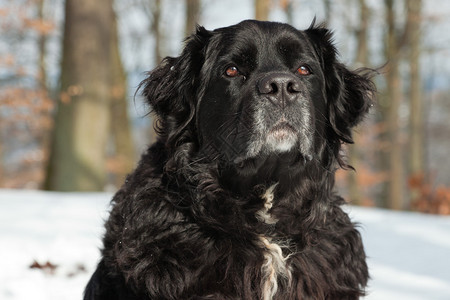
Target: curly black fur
185, 223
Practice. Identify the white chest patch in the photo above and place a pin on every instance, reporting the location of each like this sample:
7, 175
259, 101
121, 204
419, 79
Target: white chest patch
274, 268
263, 215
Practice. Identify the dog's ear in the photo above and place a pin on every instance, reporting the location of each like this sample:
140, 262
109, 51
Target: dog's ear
350, 94
170, 88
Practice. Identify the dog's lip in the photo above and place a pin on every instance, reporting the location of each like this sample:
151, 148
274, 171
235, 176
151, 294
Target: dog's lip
282, 128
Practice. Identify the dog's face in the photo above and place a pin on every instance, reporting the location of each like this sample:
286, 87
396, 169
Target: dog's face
257, 90
264, 92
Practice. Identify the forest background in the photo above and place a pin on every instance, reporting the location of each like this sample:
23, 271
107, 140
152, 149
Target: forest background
70, 119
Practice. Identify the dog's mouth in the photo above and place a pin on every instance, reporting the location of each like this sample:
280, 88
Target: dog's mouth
283, 141
281, 137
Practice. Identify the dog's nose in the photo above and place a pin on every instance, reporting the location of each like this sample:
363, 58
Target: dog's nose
280, 88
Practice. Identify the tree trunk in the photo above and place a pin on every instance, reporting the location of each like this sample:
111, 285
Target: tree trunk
192, 16
416, 105
124, 152
155, 11
42, 40
262, 9
394, 96
327, 8
287, 6
82, 119
362, 59
44, 137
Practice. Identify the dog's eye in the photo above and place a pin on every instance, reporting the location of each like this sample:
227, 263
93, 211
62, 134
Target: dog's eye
232, 71
304, 70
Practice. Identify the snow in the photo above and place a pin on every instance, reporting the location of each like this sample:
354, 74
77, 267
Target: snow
64, 229
408, 252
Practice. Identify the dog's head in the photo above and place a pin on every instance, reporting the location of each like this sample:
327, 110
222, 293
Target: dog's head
254, 91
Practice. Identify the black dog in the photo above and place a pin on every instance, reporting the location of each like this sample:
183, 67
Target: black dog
235, 200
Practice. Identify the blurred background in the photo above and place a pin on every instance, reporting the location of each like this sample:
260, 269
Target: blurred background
71, 120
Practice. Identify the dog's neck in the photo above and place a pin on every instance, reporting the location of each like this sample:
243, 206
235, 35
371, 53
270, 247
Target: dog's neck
262, 171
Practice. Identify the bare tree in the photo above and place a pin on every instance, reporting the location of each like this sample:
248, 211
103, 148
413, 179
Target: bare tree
25, 106
152, 9
83, 115
42, 41
155, 12
192, 15
327, 8
124, 158
287, 6
262, 9
394, 96
362, 59
396, 40
415, 91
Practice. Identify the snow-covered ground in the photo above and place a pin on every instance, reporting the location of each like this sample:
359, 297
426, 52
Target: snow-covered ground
408, 252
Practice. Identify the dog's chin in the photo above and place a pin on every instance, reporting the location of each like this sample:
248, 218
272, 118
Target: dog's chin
281, 138
279, 148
